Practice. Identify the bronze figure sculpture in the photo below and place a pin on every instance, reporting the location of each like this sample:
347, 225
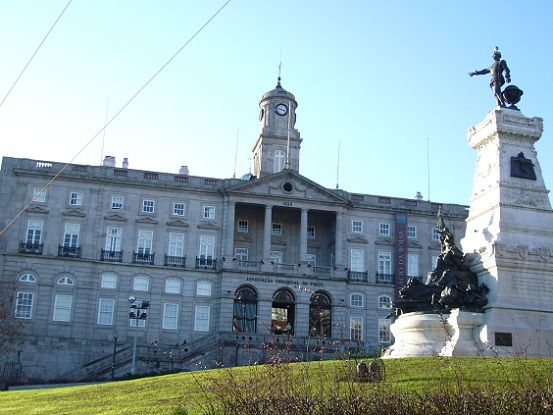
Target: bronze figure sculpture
497, 80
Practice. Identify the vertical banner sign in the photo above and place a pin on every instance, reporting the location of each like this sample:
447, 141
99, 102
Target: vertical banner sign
400, 257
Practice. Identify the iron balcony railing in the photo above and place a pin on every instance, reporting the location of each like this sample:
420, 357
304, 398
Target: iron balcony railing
175, 261
385, 278
140, 258
358, 276
111, 256
69, 251
206, 263
30, 248
322, 270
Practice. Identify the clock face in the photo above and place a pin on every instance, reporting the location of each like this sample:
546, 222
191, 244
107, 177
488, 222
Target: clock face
261, 114
281, 109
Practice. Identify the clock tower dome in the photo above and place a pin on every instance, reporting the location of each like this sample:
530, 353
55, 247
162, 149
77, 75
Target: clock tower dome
278, 144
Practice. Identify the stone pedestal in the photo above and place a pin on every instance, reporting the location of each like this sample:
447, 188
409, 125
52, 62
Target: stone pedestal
452, 334
509, 235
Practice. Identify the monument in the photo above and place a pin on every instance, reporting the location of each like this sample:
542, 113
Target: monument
495, 298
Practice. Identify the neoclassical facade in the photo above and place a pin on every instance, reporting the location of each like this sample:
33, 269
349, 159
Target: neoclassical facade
116, 270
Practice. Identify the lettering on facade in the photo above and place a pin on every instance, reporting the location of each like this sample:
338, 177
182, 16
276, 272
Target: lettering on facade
541, 286
400, 251
285, 203
284, 281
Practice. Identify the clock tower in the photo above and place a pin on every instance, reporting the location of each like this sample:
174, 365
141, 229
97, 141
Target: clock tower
278, 144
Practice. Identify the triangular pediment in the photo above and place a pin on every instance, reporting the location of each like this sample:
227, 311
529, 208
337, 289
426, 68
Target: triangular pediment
147, 220
358, 240
178, 222
37, 209
288, 184
116, 217
74, 212
208, 225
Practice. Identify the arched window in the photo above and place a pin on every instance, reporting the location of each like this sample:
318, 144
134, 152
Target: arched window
27, 278
172, 286
283, 312
278, 161
108, 281
320, 315
385, 301
66, 281
244, 318
141, 284
356, 300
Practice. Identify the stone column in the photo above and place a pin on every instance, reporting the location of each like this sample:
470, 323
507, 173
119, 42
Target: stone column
229, 228
267, 228
338, 260
303, 236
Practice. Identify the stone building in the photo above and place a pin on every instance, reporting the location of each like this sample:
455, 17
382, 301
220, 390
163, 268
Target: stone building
209, 270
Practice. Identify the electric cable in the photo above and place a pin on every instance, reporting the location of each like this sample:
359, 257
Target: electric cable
47, 185
36, 51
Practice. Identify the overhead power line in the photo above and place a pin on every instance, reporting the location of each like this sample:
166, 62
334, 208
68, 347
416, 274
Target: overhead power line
131, 99
37, 49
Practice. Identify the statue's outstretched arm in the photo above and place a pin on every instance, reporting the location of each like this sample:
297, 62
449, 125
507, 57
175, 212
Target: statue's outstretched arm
481, 72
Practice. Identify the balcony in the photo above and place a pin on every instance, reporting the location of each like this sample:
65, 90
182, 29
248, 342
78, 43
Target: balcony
175, 261
111, 256
30, 248
69, 251
206, 263
385, 278
277, 266
317, 270
358, 276
139, 258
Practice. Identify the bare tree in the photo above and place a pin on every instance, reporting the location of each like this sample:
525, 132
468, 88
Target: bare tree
10, 327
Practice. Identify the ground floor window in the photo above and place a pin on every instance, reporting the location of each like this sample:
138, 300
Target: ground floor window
24, 305
244, 318
201, 322
320, 315
283, 312
356, 328
384, 331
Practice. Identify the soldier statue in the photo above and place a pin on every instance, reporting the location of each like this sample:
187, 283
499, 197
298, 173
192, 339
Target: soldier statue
498, 68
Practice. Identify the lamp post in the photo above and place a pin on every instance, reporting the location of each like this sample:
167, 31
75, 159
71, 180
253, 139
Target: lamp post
114, 353
138, 311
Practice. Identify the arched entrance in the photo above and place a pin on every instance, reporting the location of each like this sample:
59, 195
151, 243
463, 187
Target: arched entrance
320, 315
283, 312
244, 319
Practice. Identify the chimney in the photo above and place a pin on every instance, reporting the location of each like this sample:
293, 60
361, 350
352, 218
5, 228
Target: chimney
125, 163
109, 161
418, 196
183, 170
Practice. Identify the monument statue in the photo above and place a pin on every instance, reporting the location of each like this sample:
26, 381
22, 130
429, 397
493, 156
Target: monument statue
511, 94
450, 285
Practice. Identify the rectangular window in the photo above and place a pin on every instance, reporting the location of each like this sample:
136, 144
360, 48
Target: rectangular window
135, 322
384, 262
176, 244
71, 236
412, 265
201, 322
243, 226
113, 239
357, 260
148, 206
411, 232
435, 234
356, 300
179, 209
384, 229
357, 226
62, 307
311, 259
384, 331
203, 289
34, 231
207, 246
24, 305
241, 254
277, 229
276, 256
105, 311
356, 328
170, 316
75, 199
39, 195
117, 202
209, 212
145, 242
311, 232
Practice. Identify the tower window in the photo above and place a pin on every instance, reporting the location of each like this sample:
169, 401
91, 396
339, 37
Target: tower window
278, 162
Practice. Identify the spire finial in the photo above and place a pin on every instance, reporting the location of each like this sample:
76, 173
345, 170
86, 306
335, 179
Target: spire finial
279, 72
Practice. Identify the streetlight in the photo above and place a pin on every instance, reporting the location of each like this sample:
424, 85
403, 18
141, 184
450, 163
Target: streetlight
138, 311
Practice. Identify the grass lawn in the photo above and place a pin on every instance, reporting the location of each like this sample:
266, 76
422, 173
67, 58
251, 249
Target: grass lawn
163, 394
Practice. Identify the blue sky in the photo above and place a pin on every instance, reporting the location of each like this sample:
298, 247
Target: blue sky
381, 78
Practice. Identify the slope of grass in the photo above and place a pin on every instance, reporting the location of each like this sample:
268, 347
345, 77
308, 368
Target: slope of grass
195, 390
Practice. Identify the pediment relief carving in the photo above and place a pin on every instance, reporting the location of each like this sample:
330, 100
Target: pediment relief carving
414, 244
37, 209
147, 220
115, 216
178, 222
74, 212
278, 241
208, 225
240, 236
358, 239
384, 241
